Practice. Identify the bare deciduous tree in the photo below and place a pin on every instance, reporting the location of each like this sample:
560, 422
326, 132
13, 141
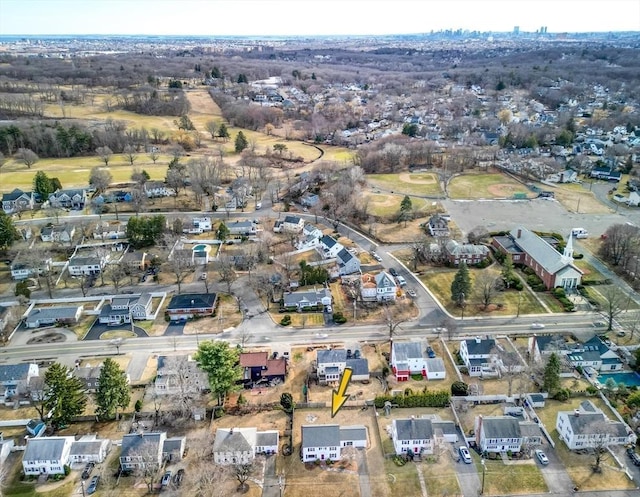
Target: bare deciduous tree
27, 156
104, 154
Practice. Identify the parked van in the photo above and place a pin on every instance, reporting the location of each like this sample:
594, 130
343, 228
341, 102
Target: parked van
401, 281
579, 233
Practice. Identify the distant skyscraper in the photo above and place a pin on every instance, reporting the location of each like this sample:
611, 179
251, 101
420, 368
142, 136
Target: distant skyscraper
516, 30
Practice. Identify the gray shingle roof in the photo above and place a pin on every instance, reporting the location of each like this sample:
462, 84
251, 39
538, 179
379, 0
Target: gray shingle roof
435, 365
267, 438
45, 449
46, 313
10, 372
384, 280
235, 440
320, 436
414, 429
446, 427
134, 442
353, 433
82, 447
543, 253
331, 356
359, 366
501, 427
409, 350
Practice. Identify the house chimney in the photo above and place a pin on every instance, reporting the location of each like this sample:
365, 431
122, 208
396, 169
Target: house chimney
478, 339
576, 412
519, 232
193, 302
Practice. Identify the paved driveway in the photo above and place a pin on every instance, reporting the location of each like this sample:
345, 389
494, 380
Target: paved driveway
175, 328
98, 329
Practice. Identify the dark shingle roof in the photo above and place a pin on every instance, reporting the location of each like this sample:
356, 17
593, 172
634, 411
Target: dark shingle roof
480, 347
331, 356
192, 301
414, 429
10, 372
359, 366
501, 427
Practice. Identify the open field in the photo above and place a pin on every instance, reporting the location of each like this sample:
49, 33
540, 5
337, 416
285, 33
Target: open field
387, 205
506, 303
512, 478
577, 198
419, 184
485, 185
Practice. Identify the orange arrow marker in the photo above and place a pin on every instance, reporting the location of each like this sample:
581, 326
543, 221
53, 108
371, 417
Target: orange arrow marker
339, 397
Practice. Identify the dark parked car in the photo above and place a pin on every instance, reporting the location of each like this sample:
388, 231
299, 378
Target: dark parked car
86, 473
393, 272
178, 477
635, 458
93, 485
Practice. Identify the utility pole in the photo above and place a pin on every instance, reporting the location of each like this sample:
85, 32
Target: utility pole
281, 484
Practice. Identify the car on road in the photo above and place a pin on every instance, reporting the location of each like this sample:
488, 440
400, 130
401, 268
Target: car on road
93, 485
166, 479
635, 458
393, 272
376, 257
401, 281
321, 335
537, 326
465, 455
86, 473
411, 293
542, 457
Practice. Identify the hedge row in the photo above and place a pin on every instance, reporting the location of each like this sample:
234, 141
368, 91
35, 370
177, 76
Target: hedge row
436, 398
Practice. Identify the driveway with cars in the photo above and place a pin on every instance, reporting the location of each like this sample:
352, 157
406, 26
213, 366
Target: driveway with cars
98, 329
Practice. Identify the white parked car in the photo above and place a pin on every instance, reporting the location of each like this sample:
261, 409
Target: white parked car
376, 257
542, 457
537, 326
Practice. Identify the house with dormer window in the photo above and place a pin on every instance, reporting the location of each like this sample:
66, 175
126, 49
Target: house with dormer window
478, 355
327, 442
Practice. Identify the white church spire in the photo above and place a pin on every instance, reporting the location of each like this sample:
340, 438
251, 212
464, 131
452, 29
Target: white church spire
567, 254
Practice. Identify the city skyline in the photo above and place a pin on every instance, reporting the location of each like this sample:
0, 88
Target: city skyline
311, 17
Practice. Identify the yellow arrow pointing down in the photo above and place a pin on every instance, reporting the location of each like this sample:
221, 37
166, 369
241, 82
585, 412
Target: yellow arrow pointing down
339, 397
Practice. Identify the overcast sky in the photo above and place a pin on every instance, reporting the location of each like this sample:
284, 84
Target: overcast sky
311, 17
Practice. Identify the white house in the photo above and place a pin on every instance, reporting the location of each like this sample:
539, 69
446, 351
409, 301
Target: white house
178, 373
436, 369
347, 263
310, 237
89, 449
157, 189
22, 268
498, 434
17, 201
306, 299
110, 230
413, 436
240, 445
59, 233
588, 427
386, 288
478, 356
87, 265
242, 228
69, 199
16, 377
292, 224
123, 308
198, 225
409, 358
329, 247
596, 354
47, 316
46, 455
327, 442
332, 363
142, 450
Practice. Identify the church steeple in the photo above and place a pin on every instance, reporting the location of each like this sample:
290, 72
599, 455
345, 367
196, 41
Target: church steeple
567, 254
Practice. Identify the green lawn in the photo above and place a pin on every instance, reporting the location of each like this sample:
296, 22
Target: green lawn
407, 183
512, 479
486, 185
439, 283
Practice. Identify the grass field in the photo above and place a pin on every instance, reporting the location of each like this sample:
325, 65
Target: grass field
576, 198
485, 185
439, 283
521, 477
425, 184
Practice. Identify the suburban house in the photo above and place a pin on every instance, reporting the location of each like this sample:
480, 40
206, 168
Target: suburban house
89, 375
347, 263
198, 225
68, 199
292, 224
89, 449
58, 233
50, 316
22, 267
17, 201
122, 309
552, 267
381, 287
605, 173
309, 199
596, 354
327, 442
593, 353
258, 368
141, 450
242, 228
413, 436
329, 247
157, 189
331, 364
588, 427
187, 305
310, 237
409, 358
179, 372
240, 445
478, 355
498, 434
135, 261
110, 230
87, 265
438, 226
468, 253
14, 378
306, 299
46, 455
173, 449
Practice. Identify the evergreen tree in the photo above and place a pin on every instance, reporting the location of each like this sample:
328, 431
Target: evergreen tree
42, 185
551, 377
405, 209
241, 142
461, 284
220, 362
8, 231
113, 390
223, 132
215, 73
222, 232
64, 395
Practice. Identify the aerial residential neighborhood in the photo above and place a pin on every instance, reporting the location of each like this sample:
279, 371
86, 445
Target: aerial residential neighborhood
403, 265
